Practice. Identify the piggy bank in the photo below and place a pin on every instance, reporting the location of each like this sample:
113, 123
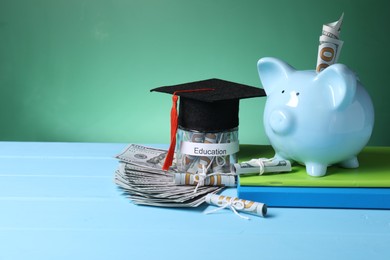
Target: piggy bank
316, 119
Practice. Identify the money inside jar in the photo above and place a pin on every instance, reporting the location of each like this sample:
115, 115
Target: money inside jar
204, 130
206, 152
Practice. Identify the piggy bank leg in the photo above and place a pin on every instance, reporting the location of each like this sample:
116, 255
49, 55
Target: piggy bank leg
350, 163
316, 169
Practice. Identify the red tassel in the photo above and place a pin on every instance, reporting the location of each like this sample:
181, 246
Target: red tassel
171, 150
174, 125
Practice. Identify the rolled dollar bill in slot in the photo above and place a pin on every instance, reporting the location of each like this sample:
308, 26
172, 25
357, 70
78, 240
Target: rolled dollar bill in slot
330, 44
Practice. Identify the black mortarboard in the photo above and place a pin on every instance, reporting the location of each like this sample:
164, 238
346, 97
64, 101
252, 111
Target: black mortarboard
208, 106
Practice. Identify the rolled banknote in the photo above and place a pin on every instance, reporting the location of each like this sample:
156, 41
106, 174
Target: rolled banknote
261, 166
330, 44
188, 160
236, 204
206, 161
209, 180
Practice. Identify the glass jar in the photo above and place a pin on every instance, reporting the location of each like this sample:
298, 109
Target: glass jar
200, 152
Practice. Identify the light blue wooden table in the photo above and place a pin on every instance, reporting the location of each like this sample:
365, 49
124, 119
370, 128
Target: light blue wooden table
59, 201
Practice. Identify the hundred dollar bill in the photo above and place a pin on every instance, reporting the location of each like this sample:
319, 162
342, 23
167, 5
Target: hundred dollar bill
330, 44
143, 156
159, 185
267, 166
134, 167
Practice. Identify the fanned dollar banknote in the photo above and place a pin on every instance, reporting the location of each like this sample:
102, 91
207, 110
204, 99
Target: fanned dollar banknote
140, 177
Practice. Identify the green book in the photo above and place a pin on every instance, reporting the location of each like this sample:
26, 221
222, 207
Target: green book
373, 172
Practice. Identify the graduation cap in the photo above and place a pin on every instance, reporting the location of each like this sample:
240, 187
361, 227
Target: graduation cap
207, 106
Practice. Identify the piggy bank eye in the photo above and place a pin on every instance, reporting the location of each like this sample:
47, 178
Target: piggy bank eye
283, 91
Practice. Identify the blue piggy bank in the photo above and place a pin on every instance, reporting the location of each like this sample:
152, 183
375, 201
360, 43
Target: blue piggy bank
316, 119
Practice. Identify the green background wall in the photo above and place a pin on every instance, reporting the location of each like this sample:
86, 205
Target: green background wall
81, 70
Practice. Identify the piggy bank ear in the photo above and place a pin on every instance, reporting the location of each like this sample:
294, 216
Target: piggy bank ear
338, 84
273, 72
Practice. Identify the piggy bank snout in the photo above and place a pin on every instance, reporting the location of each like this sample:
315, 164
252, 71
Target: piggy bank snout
281, 121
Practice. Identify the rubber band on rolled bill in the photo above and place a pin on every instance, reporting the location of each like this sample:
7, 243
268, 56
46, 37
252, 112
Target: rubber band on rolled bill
236, 204
262, 165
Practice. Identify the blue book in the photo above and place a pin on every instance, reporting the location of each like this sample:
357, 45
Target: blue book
313, 197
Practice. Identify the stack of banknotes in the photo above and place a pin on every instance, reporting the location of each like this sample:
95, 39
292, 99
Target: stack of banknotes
140, 177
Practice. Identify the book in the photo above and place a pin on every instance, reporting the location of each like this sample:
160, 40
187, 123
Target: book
365, 187
314, 197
